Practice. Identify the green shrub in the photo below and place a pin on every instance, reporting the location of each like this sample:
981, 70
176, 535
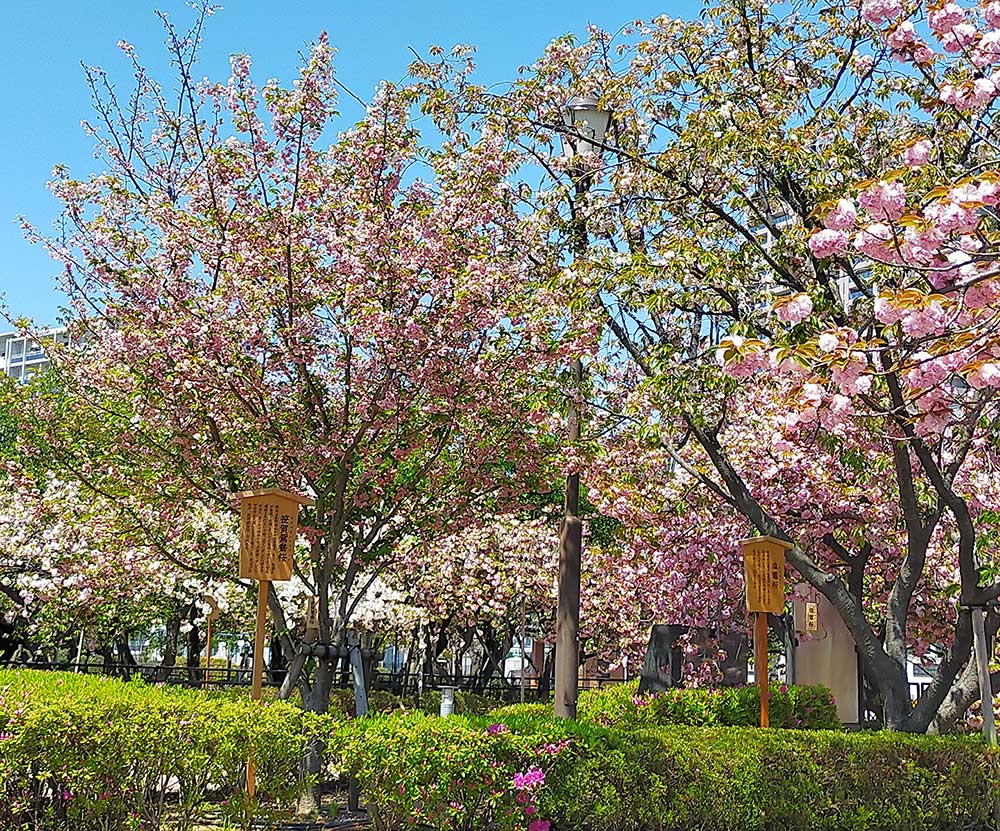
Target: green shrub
808, 708
459, 774
84, 752
455, 774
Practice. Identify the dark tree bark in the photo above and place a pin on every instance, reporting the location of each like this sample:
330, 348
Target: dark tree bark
169, 658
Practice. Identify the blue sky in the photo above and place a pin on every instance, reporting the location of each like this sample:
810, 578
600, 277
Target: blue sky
44, 97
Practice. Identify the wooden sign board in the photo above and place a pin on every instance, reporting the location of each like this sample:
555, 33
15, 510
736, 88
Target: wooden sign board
764, 571
312, 614
812, 617
268, 526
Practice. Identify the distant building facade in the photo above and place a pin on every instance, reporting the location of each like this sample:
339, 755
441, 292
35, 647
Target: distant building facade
22, 356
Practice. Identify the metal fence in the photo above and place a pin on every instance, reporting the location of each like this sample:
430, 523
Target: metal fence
235, 675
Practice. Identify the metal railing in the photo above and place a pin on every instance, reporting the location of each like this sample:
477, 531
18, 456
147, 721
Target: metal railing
232, 675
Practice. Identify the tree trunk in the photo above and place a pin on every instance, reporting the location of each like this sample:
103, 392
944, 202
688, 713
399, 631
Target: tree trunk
318, 701
169, 649
125, 657
195, 674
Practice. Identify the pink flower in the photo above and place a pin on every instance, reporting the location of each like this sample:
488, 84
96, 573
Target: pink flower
874, 240
533, 777
884, 200
875, 11
828, 342
842, 217
885, 312
828, 243
927, 321
946, 18
796, 310
987, 51
494, 729
240, 65
991, 11
539, 825
987, 375
863, 64
963, 35
918, 153
922, 53
902, 36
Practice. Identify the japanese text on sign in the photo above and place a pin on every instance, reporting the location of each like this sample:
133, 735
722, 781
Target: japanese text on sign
764, 570
268, 524
812, 617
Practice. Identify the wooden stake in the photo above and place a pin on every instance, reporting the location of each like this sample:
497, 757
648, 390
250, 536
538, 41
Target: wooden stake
258, 672
760, 666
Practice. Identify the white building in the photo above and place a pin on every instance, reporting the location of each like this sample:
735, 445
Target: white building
21, 356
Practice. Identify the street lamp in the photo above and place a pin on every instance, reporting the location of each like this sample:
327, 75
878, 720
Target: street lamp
586, 125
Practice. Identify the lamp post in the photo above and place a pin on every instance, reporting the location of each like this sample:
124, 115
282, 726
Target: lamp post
586, 125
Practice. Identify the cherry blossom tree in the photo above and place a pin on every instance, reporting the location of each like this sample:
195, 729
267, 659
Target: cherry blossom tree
791, 233
75, 575
364, 322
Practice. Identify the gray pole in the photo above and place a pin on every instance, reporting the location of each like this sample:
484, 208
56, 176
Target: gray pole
985, 685
567, 661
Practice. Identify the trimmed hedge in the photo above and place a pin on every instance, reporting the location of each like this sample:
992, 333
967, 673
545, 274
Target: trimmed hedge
539, 774
82, 752
797, 707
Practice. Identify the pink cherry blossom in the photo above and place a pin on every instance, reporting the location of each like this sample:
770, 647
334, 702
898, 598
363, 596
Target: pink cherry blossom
828, 342
902, 36
884, 200
918, 153
943, 20
877, 11
796, 310
874, 241
959, 38
828, 243
886, 312
985, 376
991, 12
842, 217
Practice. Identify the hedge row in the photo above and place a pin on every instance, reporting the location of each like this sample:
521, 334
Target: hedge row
538, 774
797, 707
82, 752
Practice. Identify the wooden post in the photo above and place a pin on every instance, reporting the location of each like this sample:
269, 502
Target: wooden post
258, 672
268, 526
764, 573
760, 666
985, 685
